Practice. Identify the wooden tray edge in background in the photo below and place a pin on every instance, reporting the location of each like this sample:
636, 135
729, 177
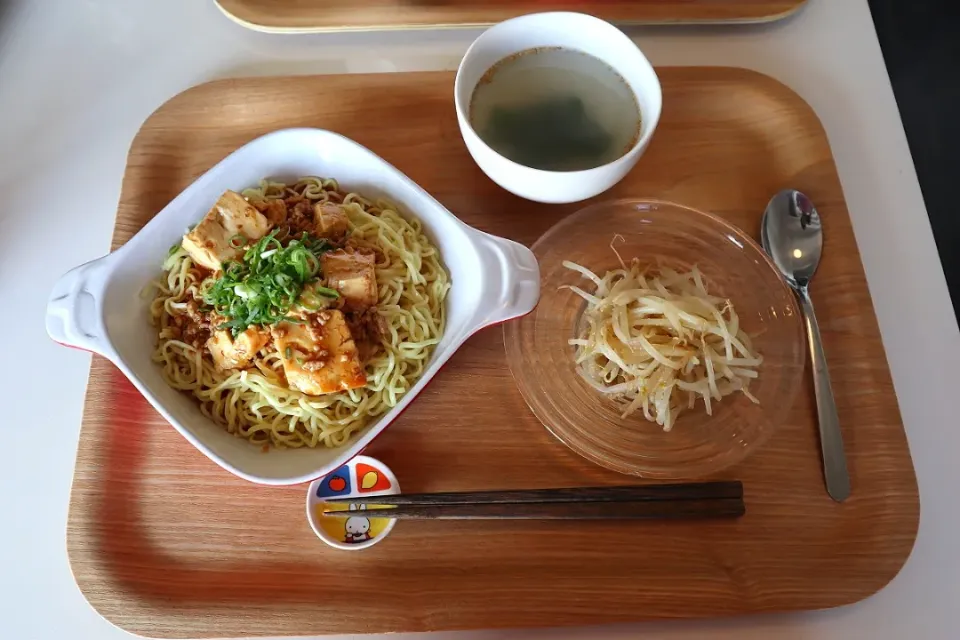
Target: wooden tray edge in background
81, 541
635, 14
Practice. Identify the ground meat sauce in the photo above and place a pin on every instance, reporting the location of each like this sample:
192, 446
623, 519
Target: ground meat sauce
195, 326
368, 329
299, 214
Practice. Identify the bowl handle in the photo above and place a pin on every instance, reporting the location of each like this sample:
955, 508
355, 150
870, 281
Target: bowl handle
512, 279
75, 308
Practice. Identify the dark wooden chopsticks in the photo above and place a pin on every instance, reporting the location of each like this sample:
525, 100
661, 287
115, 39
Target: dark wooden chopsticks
691, 500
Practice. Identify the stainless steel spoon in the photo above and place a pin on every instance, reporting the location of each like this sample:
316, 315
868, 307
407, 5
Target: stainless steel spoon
790, 232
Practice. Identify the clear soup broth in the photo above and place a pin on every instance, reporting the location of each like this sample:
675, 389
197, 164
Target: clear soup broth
555, 109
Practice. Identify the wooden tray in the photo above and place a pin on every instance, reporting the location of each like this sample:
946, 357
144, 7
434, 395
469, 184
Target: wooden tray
164, 543
361, 15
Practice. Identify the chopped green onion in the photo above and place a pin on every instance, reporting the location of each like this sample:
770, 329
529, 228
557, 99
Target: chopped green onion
324, 291
262, 286
288, 353
238, 241
174, 248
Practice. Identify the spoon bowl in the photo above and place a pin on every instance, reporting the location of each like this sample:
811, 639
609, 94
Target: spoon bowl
792, 236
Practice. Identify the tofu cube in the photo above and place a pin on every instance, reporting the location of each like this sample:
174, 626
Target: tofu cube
353, 275
236, 353
330, 220
209, 242
274, 210
319, 357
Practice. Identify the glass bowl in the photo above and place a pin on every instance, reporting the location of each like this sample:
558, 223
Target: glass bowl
733, 266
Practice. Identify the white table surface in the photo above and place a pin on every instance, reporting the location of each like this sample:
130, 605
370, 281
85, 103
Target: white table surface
77, 77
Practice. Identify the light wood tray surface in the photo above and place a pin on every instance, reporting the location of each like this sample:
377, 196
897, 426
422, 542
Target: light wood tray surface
357, 15
164, 543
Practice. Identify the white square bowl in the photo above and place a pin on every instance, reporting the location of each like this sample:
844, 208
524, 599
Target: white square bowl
100, 306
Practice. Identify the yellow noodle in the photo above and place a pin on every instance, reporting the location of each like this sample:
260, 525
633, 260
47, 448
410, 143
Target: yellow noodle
254, 403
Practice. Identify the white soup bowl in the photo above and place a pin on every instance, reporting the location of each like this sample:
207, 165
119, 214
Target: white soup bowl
573, 31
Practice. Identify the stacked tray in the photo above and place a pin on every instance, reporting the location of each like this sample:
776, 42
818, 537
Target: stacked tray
358, 15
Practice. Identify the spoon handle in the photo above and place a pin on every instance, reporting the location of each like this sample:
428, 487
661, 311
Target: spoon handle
831, 440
